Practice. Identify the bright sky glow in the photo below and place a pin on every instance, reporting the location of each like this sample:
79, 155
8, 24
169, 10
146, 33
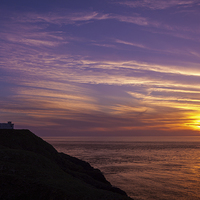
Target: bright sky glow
101, 67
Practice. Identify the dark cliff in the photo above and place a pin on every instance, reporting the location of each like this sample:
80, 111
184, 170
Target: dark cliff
31, 168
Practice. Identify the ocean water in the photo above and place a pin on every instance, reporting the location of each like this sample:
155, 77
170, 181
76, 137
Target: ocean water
147, 168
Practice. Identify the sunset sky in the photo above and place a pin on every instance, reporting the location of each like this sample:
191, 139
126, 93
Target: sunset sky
101, 67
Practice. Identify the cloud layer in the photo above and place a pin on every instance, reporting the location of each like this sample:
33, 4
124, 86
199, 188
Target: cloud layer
80, 72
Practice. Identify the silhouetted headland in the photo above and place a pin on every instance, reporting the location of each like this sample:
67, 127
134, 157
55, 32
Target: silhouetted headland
31, 168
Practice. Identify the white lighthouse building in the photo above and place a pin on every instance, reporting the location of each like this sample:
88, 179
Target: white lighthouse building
8, 125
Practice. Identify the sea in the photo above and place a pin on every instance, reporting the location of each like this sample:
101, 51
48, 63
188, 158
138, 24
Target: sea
146, 168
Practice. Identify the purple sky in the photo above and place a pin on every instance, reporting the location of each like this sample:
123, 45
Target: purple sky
96, 67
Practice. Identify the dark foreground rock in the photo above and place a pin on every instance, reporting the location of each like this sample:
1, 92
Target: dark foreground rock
31, 168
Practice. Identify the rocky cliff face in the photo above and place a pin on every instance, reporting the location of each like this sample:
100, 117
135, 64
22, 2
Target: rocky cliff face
31, 168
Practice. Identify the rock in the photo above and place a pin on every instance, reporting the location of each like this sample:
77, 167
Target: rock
31, 168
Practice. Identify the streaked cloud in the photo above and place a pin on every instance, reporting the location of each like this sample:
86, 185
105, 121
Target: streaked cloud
60, 18
130, 43
159, 5
76, 17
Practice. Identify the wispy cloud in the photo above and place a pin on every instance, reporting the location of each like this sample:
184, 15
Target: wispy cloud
76, 17
31, 22
135, 19
159, 5
131, 44
58, 18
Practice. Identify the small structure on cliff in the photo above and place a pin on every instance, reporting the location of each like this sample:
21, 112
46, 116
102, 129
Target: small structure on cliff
8, 125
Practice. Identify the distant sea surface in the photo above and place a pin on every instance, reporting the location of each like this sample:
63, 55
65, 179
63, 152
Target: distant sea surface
147, 168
